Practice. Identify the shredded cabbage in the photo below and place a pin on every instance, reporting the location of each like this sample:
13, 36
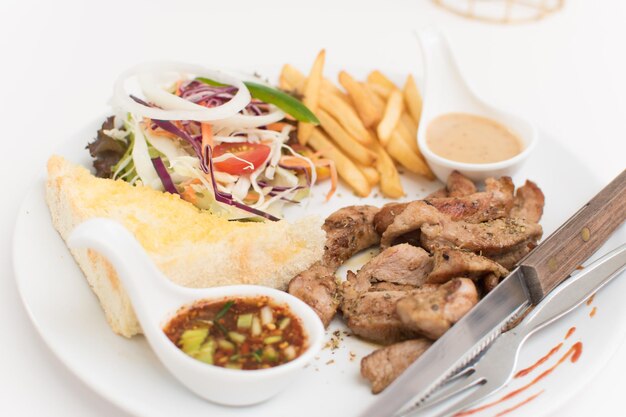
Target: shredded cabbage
182, 147
141, 157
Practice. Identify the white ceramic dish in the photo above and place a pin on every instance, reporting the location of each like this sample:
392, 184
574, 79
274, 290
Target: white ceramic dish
156, 300
446, 91
67, 315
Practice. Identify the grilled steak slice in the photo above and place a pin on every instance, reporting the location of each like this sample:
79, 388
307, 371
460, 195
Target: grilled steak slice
528, 207
437, 230
493, 203
409, 220
372, 314
489, 238
490, 282
388, 286
385, 216
450, 263
384, 365
458, 185
440, 193
400, 264
511, 257
432, 314
528, 203
317, 286
348, 231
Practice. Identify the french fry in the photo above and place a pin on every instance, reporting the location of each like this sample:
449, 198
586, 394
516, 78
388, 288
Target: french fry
347, 143
407, 137
377, 101
407, 132
401, 152
311, 95
373, 177
391, 117
377, 77
413, 98
346, 169
390, 184
292, 79
408, 122
360, 100
347, 116
380, 91
403, 133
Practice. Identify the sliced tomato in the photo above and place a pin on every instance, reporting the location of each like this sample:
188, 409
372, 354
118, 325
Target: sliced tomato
253, 153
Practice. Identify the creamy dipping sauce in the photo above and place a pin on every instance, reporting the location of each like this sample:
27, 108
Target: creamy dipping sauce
471, 139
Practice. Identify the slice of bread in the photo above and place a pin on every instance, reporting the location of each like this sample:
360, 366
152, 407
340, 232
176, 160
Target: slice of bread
193, 248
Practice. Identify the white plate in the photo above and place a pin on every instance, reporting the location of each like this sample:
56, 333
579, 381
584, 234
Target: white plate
126, 372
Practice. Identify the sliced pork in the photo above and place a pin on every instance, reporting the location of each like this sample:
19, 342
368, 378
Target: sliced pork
490, 238
348, 231
432, 314
493, 203
458, 185
491, 281
387, 213
437, 230
317, 286
451, 263
372, 314
388, 286
510, 258
384, 365
401, 264
528, 203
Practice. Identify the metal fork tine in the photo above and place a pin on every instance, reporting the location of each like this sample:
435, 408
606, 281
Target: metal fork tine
465, 372
465, 403
458, 385
460, 382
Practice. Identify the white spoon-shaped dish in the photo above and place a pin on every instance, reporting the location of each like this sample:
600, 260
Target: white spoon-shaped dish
156, 300
446, 91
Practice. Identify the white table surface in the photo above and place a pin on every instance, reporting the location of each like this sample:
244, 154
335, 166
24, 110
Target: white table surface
59, 60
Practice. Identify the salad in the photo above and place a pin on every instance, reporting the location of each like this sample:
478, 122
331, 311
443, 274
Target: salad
220, 142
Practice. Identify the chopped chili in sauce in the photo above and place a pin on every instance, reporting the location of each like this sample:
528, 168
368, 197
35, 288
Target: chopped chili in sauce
239, 333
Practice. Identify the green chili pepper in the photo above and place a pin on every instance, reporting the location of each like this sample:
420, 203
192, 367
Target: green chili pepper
283, 101
257, 355
222, 328
224, 310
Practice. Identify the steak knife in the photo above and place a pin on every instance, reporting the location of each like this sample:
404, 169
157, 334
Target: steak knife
537, 274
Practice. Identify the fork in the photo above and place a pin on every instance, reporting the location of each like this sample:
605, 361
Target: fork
495, 368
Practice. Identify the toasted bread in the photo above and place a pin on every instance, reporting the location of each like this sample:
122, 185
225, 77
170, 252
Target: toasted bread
193, 248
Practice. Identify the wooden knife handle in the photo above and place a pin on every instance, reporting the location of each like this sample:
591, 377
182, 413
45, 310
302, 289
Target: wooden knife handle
576, 240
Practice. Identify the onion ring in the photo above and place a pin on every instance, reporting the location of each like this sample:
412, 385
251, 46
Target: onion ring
246, 121
190, 111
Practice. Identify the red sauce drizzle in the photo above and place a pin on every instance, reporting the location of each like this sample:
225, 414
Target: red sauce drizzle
570, 332
590, 300
516, 406
593, 312
542, 360
574, 352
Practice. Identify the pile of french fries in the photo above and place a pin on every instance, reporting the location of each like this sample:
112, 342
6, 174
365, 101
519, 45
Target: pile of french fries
365, 130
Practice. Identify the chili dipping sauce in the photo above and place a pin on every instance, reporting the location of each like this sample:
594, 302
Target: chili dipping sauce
239, 333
